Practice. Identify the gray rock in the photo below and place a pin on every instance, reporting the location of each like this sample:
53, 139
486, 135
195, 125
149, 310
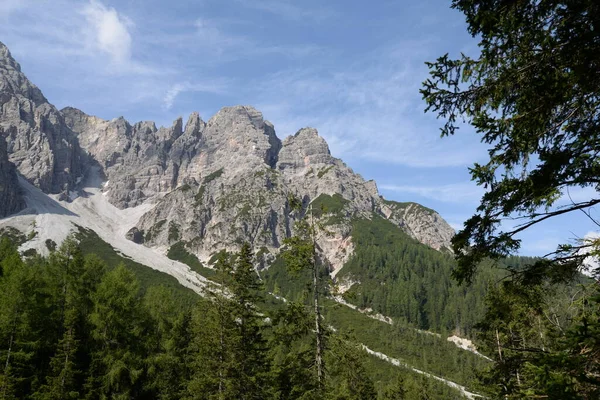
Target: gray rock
213, 185
39, 143
135, 235
422, 223
11, 200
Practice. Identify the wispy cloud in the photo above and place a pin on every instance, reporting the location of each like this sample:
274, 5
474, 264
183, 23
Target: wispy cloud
451, 193
367, 108
213, 35
110, 33
218, 86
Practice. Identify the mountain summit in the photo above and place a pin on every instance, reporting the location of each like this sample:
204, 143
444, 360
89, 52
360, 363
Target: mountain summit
203, 186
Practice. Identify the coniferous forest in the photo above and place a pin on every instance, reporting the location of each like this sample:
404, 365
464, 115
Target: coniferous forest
73, 326
396, 319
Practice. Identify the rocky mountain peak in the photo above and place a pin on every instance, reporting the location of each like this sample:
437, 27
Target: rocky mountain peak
7, 59
39, 143
13, 81
209, 185
194, 126
240, 133
305, 149
228, 116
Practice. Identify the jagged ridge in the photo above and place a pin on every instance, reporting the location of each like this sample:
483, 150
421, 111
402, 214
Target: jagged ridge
213, 184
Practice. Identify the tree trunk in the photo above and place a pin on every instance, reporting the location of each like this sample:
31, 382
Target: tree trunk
498, 342
10, 343
318, 328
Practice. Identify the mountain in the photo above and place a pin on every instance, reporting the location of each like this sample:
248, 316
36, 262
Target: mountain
193, 189
11, 200
42, 147
170, 198
216, 184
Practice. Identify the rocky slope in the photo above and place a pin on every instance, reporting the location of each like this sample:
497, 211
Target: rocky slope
211, 185
42, 147
11, 200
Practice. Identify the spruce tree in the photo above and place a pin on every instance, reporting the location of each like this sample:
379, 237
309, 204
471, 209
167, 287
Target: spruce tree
118, 328
250, 345
66, 267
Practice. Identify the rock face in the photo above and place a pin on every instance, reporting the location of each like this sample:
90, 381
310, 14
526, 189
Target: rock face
422, 223
212, 184
229, 180
41, 146
10, 193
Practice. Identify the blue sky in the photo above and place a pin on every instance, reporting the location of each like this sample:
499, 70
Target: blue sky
351, 69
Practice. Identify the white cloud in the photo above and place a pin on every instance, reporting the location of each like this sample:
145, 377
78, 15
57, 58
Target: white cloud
368, 108
450, 193
172, 94
212, 36
217, 86
110, 31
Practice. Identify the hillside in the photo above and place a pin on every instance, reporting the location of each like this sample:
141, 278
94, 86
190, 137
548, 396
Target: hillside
171, 198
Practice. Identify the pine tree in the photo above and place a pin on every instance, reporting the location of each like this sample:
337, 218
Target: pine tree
18, 313
396, 391
211, 328
300, 253
293, 354
67, 266
250, 346
118, 331
349, 379
166, 340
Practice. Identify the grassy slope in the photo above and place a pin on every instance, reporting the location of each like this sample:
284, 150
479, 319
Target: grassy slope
90, 243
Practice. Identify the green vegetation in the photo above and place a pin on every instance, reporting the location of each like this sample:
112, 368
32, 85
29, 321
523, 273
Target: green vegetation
199, 197
154, 230
14, 235
91, 244
326, 204
403, 205
178, 252
533, 95
405, 279
173, 231
50, 244
185, 187
211, 177
76, 327
323, 171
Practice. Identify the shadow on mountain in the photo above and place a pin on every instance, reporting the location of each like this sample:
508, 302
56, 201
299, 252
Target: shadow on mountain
39, 202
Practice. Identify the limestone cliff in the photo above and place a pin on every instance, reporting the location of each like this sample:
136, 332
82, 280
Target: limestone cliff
39, 143
11, 200
211, 185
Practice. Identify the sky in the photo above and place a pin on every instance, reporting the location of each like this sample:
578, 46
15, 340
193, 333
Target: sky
352, 69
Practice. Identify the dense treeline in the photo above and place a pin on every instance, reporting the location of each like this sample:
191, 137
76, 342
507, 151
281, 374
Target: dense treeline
397, 276
73, 327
